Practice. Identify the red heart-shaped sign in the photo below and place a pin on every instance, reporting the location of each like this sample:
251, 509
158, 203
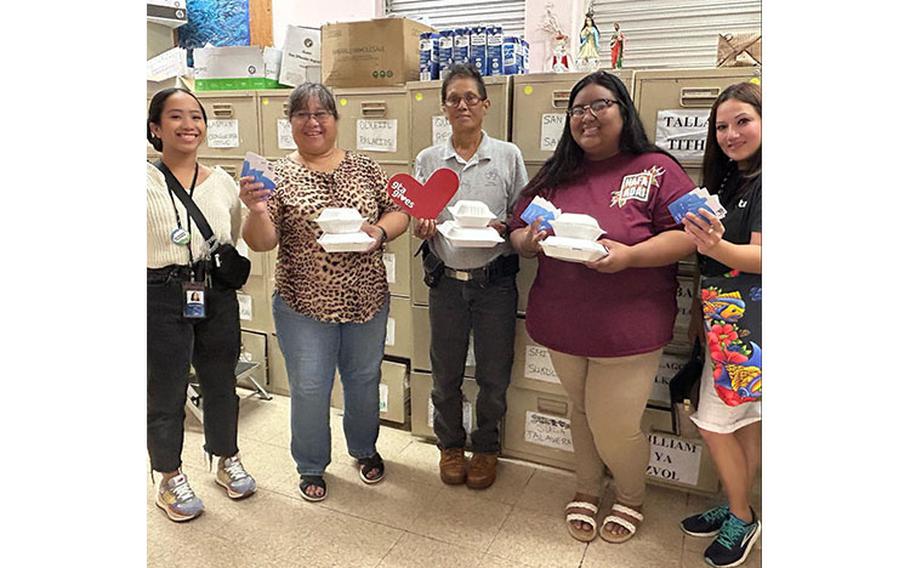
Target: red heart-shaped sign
424, 201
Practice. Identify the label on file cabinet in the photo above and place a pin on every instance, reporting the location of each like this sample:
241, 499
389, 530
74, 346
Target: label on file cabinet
377, 135
390, 332
383, 397
538, 365
683, 133
550, 431
442, 130
388, 259
223, 133
245, 301
285, 138
674, 459
551, 125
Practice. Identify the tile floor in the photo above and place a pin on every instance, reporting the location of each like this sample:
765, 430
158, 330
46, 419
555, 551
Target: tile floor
409, 520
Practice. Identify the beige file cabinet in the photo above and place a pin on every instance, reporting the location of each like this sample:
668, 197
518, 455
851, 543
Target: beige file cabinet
278, 372
399, 340
422, 405
428, 118
273, 109
253, 349
524, 280
233, 166
394, 392
536, 428
397, 259
539, 105
683, 308
257, 293
235, 114
533, 369
657, 420
660, 90
421, 357
367, 118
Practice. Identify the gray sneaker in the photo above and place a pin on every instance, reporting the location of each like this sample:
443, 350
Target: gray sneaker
176, 498
235, 480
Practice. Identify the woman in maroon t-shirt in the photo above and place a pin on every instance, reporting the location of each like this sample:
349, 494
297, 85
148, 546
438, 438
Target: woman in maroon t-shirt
606, 322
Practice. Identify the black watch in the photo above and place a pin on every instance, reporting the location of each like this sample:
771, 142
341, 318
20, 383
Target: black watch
385, 236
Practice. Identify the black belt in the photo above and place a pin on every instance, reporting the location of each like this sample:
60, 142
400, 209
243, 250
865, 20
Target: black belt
501, 266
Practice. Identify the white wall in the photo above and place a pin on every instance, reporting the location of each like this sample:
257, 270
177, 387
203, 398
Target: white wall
314, 13
570, 14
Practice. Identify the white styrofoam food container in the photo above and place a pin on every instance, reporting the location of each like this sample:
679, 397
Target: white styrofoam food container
485, 237
336, 220
471, 214
572, 250
345, 242
577, 226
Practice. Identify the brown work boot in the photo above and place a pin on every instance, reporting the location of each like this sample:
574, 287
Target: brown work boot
452, 466
481, 470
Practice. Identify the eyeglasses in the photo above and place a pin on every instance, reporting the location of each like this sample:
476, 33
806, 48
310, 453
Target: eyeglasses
319, 115
597, 107
469, 99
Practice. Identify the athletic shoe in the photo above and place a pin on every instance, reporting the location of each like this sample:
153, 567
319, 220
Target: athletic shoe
176, 498
707, 523
733, 543
235, 480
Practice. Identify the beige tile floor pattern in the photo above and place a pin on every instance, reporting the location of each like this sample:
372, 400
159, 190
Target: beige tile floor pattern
410, 520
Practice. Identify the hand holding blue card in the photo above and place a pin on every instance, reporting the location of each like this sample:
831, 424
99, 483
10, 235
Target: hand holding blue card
540, 207
693, 201
259, 169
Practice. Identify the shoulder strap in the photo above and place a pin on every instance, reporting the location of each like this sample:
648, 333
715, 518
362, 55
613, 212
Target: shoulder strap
187, 201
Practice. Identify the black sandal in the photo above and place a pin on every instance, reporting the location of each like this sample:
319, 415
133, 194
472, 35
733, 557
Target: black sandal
371, 463
307, 481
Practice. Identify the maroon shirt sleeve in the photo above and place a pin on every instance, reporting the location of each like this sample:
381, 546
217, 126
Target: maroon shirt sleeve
675, 184
517, 222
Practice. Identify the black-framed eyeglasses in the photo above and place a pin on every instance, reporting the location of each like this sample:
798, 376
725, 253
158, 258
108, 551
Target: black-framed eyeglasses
597, 107
319, 115
469, 99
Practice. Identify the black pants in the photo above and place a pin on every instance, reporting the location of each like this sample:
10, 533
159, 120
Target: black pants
213, 346
456, 308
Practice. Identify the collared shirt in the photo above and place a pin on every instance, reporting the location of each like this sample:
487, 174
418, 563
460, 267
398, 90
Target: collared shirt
495, 174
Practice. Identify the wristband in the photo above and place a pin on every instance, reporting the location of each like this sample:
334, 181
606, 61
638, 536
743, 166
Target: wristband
385, 236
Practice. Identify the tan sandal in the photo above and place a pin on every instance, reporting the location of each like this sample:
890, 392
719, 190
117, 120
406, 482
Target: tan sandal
578, 534
621, 521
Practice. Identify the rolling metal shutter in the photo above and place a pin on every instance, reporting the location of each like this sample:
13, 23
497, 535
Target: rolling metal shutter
445, 14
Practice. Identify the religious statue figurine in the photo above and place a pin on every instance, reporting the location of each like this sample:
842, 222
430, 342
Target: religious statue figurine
588, 57
617, 44
560, 61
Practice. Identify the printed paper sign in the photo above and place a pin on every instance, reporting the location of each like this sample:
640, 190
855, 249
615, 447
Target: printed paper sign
377, 135
389, 260
551, 126
683, 133
245, 301
670, 364
538, 365
390, 332
171, 63
383, 397
674, 459
467, 415
285, 138
423, 200
442, 130
549, 431
223, 133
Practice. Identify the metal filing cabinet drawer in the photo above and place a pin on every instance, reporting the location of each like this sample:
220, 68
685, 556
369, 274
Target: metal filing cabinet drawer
397, 259
367, 118
255, 297
399, 340
253, 349
657, 420
275, 138
232, 166
422, 405
428, 121
394, 392
679, 89
233, 121
533, 369
536, 428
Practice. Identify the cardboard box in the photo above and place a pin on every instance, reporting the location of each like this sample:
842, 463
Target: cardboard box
171, 13
236, 68
301, 56
374, 53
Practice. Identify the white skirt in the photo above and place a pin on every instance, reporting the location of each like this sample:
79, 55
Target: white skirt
713, 414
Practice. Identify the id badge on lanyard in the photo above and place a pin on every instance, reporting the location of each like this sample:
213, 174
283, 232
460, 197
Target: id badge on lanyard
193, 291
194, 300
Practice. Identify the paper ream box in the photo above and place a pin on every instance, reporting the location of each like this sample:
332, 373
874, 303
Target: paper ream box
236, 68
301, 52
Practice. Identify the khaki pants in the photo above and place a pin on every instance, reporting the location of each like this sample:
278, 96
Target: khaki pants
608, 398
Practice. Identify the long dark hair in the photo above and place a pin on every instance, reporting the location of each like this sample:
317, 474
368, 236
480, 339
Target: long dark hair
716, 166
565, 164
156, 107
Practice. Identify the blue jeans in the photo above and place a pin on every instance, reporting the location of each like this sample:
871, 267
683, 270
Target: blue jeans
312, 350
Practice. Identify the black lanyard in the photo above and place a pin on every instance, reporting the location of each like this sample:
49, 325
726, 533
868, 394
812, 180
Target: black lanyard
189, 228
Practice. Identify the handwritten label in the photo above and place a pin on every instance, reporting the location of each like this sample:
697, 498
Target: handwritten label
674, 459
467, 414
388, 259
442, 130
377, 135
383, 397
285, 138
538, 365
551, 125
550, 431
670, 364
683, 133
245, 301
223, 133
390, 332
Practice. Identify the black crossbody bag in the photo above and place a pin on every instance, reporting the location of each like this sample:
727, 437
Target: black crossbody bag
227, 267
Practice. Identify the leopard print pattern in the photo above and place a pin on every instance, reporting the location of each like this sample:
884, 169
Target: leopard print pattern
339, 287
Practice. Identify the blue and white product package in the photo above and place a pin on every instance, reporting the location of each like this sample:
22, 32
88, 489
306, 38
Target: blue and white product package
540, 207
525, 56
261, 170
435, 68
446, 47
427, 57
511, 46
696, 199
478, 53
494, 50
461, 46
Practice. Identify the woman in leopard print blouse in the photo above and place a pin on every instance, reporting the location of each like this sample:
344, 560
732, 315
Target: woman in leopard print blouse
330, 308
